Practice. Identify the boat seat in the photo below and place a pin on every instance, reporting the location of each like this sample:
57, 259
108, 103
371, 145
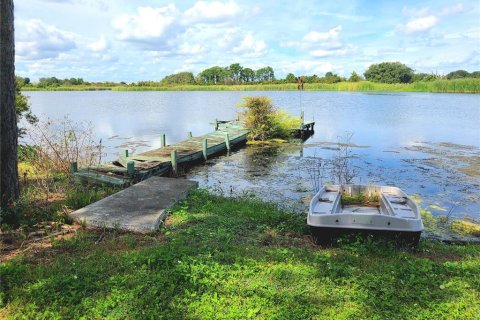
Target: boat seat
326, 203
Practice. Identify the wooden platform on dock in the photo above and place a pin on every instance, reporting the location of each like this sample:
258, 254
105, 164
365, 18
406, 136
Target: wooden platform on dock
132, 168
161, 161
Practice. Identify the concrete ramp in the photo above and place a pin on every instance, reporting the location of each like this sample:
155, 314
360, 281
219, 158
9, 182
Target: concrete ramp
139, 208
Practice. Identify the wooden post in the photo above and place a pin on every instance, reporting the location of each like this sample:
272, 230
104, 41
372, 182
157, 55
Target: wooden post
303, 118
125, 153
73, 167
205, 149
163, 141
174, 160
216, 124
227, 141
190, 135
131, 168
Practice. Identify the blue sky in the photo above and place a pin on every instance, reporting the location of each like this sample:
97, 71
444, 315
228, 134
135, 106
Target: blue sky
126, 40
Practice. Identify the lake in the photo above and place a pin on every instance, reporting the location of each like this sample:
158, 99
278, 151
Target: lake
427, 144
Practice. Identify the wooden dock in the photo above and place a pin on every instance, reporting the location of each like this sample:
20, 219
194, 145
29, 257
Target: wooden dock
132, 168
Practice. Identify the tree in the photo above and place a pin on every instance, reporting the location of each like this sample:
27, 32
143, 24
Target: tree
235, 71
248, 75
354, 77
389, 72
458, 74
265, 74
179, 78
331, 78
291, 78
424, 77
213, 75
475, 74
22, 107
9, 188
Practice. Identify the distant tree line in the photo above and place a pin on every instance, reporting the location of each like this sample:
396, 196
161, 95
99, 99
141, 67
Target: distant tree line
385, 72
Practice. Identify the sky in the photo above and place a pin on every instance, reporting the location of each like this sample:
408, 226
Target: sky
129, 40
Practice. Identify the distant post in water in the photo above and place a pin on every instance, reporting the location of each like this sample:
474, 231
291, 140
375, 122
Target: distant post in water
227, 141
216, 124
205, 148
125, 153
163, 141
190, 135
73, 167
131, 168
303, 117
174, 160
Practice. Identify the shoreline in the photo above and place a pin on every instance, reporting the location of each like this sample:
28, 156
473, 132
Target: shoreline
438, 86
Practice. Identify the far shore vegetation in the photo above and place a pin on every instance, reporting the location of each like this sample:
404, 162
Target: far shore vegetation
386, 76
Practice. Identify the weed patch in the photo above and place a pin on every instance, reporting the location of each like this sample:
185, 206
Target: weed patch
235, 258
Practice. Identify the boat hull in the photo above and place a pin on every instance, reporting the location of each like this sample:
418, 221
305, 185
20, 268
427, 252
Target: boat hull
328, 236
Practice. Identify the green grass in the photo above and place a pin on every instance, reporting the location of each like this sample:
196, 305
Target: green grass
467, 85
219, 258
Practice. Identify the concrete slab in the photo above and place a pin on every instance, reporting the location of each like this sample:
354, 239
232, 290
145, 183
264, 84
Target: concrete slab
139, 208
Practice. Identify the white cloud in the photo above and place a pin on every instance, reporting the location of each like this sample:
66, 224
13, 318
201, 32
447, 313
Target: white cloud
420, 24
424, 19
215, 11
335, 52
315, 36
148, 24
38, 40
322, 44
250, 47
190, 49
309, 67
99, 45
457, 8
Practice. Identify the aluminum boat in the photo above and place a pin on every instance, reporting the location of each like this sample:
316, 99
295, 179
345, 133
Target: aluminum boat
367, 209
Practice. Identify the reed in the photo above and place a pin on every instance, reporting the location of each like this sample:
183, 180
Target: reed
464, 85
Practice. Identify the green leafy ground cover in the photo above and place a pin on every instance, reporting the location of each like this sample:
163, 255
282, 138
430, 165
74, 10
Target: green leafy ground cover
222, 258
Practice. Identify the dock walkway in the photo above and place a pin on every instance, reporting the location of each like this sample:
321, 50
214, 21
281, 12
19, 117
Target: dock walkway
132, 168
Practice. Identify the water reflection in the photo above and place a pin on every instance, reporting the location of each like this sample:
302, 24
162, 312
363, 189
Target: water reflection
387, 125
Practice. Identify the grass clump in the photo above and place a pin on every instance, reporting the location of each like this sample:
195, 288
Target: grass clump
360, 199
266, 122
229, 258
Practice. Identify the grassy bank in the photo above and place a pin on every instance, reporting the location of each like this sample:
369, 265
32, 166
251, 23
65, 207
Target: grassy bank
219, 258
447, 86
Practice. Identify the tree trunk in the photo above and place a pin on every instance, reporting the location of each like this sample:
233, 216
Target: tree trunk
9, 189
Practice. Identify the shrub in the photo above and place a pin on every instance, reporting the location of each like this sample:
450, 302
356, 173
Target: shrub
265, 121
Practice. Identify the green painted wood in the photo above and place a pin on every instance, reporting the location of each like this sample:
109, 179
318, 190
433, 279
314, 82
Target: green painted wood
227, 141
73, 167
205, 148
163, 141
131, 168
174, 161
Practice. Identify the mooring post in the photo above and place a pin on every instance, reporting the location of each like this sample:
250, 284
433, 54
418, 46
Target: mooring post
190, 135
216, 124
131, 168
227, 141
163, 141
205, 148
73, 167
174, 159
125, 153
303, 118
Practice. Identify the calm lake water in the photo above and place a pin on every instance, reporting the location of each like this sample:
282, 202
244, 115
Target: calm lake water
427, 144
